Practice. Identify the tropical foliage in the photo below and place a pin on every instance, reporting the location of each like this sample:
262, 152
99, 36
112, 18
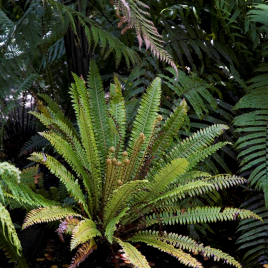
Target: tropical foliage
122, 190
218, 47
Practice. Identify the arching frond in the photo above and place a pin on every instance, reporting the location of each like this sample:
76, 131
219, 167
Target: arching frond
84, 231
134, 17
183, 257
135, 257
111, 226
252, 238
200, 215
47, 214
185, 243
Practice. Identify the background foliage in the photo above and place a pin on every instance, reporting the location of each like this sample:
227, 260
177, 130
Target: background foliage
219, 48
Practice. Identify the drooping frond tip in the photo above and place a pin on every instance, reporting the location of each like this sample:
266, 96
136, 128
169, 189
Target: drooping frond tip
132, 14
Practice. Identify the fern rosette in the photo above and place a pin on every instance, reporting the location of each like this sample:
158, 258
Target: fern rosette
122, 187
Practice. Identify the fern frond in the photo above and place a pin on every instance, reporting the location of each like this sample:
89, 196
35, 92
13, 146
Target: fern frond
183, 257
203, 154
98, 111
163, 178
135, 257
117, 111
83, 252
111, 226
47, 214
199, 215
253, 146
82, 110
121, 198
59, 115
133, 15
186, 243
253, 233
145, 120
8, 229
34, 143
195, 90
191, 188
84, 231
197, 142
64, 175
65, 149
170, 128
11, 252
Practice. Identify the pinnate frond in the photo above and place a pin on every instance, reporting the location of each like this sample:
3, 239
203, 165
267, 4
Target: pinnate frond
145, 119
83, 252
199, 215
121, 198
170, 128
47, 214
186, 243
183, 257
8, 230
64, 175
83, 232
98, 111
135, 17
135, 257
197, 142
111, 226
164, 177
117, 110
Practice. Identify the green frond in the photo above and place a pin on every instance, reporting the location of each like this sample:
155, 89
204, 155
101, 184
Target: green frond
64, 175
225, 181
18, 191
203, 154
121, 198
252, 238
83, 232
186, 243
111, 226
195, 90
11, 252
117, 111
170, 129
65, 149
163, 178
98, 112
183, 257
28, 175
199, 215
191, 188
258, 14
134, 256
197, 142
47, 214
59, 115
253, 146
8, 230
145, 119
82, 110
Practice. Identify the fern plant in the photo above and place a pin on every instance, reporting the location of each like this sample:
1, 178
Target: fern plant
125, 187
253, 234
16, 191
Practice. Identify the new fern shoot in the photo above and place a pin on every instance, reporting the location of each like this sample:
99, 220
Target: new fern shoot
124, 187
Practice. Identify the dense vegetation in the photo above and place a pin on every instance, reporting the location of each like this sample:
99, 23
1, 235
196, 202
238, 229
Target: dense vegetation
211, 57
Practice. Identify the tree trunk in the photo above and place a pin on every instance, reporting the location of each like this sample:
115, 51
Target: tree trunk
76, 47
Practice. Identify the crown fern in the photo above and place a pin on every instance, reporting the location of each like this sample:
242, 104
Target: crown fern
125, 186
